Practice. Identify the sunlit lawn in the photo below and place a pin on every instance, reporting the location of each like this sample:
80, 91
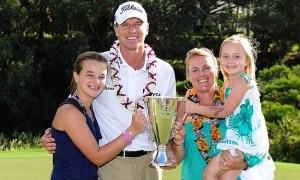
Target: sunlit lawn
36, 165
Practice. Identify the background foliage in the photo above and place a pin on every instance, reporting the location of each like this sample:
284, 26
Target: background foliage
40, 39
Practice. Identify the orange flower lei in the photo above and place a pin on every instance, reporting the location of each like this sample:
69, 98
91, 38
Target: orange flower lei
197, 120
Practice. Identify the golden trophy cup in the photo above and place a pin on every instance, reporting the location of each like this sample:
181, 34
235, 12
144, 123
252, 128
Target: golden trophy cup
162, 113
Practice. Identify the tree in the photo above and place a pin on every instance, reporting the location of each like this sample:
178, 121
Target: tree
280, 89
275, 24
281, 84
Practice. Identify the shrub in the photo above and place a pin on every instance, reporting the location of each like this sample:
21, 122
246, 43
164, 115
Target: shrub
18, 140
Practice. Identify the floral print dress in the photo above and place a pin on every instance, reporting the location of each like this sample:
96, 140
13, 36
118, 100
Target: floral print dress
247, 132
246, 127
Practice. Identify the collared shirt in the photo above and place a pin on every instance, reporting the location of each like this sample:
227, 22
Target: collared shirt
114, 118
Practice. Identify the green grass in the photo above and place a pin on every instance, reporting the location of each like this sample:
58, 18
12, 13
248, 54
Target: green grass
37, 164
25, 165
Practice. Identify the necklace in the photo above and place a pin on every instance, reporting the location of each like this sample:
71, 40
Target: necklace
198, 119
116, 80
91, 120
82, 105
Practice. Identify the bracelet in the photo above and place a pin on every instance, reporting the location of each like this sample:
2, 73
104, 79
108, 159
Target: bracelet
130, 134
127, 136
178, 143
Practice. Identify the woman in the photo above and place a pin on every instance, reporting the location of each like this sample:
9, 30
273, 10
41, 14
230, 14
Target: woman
202, 133
75, 127
246, 126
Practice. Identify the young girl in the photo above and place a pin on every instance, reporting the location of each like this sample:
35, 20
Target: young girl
75, 127
246, 127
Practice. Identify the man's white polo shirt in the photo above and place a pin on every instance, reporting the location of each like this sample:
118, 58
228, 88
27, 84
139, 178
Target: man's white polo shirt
113, 118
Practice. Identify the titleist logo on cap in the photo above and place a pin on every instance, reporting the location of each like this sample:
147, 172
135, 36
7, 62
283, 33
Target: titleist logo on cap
130, 7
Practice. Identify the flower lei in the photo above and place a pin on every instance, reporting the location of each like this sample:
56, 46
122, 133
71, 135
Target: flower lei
197, 120
116, 80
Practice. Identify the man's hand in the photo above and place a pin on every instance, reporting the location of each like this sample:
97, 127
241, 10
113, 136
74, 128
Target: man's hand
228, 162
48, 142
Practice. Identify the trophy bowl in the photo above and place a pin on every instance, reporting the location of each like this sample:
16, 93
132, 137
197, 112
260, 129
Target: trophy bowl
162, 113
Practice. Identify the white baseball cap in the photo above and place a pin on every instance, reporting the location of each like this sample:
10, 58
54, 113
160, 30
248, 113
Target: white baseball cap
128, 10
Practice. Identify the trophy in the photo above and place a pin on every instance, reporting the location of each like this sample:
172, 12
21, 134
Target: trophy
162, 113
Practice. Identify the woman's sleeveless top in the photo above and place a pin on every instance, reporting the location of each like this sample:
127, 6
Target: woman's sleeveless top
68, 161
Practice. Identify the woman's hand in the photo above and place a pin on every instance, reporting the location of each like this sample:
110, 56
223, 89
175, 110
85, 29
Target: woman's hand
178, 132
231, 162
171, 157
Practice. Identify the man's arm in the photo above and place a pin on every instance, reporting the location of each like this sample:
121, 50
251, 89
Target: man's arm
48, 142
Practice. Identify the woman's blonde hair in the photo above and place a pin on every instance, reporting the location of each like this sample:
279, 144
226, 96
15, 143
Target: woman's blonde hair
202, 52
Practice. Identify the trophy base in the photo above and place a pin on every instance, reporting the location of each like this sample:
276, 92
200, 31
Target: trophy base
161, 159
160, 164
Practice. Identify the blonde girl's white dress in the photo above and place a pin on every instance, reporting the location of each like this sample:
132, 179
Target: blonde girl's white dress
247, 132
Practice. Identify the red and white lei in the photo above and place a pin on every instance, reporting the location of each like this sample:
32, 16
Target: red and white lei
116, 80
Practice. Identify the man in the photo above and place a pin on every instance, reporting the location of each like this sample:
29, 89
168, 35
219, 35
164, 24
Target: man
134, 72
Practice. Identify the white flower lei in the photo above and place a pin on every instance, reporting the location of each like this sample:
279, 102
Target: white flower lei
150, 86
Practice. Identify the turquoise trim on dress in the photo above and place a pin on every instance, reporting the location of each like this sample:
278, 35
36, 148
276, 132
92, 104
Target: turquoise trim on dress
246, 77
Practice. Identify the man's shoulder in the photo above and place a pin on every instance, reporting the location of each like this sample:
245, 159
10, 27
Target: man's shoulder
164, 64
105, 54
